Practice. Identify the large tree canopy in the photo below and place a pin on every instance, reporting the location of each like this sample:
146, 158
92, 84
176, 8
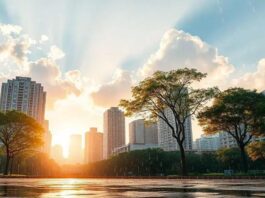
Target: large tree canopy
236, 111
256, 151
19, 133
171, 90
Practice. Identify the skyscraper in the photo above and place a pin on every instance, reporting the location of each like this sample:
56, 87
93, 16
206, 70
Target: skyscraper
22, 94
165, 139
114, 130
93, 146
151, 133
137, 132
75, 149
207, 143
141, 136
142, 133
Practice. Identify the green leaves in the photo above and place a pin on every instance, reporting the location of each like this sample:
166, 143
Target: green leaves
256, 150
168, 90
235, 110
19, 132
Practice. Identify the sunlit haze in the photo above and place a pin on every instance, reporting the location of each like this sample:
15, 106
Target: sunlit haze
88, 54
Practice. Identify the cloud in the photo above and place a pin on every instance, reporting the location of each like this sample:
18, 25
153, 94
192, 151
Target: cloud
55, 53
111, 93
15, 46
179, 49
253, 80
7, 29
15, 60
43, 38
47, 72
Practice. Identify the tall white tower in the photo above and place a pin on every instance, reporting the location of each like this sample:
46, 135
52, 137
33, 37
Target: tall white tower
165, 139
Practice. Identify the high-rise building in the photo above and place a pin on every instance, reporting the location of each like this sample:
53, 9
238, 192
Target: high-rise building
93, 146
57, 153
75, 149
141, 136
165, 139
151, 133
142, 133
207, 143
114, 130
227, 140
137, 132
24, 95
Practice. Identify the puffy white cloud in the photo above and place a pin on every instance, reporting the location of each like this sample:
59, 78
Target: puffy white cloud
253, 80
15, 48
47, 72
7, 29
55, 53
179, 49
111, 93
43, 38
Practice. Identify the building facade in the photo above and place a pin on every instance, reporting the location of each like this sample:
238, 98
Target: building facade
151, 133
137, 132
114, 130
227, 140
165, 139
142, 133
24, 95
93, 146
207, 143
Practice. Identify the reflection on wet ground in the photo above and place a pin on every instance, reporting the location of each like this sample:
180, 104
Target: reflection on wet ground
71, 188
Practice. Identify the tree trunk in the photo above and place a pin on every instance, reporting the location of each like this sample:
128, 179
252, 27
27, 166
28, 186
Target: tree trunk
7, 164
11, 165
183, 166
244, 158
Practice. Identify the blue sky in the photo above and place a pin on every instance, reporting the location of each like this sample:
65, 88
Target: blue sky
88, 53
234, 27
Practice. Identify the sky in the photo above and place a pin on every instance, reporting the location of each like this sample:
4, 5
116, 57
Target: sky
88, 53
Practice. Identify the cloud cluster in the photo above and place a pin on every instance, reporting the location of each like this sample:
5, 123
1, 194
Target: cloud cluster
179, 49
110, 93
16, 58
254, 80
47, 72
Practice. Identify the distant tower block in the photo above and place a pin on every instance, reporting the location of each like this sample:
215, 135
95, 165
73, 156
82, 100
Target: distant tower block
93, 146
114, 130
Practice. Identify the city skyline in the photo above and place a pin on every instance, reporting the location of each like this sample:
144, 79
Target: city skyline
82, 62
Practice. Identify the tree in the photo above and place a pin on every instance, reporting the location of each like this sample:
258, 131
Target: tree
19, 133
173, 91
256, 151
236, 111
228, 158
